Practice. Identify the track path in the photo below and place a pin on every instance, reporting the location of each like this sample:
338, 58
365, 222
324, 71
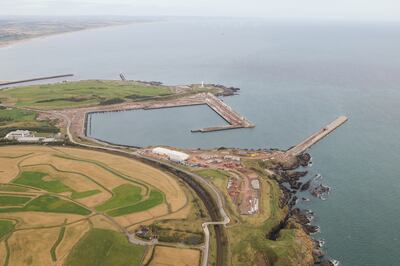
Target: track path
199, 179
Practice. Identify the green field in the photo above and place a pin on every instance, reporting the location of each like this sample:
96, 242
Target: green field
8, 200
124, 195
47, 203
6, 226
105, 247
84, 194
13, 119
12, 188
58, 241
81, 93
155, 198
35, 179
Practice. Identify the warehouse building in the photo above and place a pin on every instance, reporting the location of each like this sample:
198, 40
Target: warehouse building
17, 134
175, 156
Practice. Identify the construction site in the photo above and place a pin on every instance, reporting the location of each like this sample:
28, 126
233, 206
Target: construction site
242, 184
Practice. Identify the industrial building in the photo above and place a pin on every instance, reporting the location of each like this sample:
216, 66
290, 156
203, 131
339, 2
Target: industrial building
27, 136
17, 134
175, 156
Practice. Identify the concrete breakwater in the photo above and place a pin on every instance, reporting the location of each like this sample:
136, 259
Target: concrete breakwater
35, 79
233, 119
317, 136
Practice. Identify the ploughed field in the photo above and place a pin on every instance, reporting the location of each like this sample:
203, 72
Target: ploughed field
67, 206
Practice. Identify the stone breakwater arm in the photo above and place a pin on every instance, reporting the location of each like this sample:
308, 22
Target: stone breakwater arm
234, 119
317, 136
36, 79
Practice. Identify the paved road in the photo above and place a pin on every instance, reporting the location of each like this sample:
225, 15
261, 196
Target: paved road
199, 179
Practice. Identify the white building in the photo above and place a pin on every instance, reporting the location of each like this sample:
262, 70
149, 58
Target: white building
232, 158
29, 139
17, 134
175, 156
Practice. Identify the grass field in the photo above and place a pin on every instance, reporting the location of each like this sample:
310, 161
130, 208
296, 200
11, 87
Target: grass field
47, 203
105, 247
124, 195
59, 239
12, 119
7, 200
48, 196
81, 93
6, 226
155, 198
35, 179
84, 194
12, 188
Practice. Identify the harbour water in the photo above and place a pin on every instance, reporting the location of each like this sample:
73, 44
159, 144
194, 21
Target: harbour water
294, 77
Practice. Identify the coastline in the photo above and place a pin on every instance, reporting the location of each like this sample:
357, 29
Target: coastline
286, 171
11, 43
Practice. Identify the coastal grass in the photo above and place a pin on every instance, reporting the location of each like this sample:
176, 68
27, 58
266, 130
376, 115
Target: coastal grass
13, 119
11, 200
214, 174
16, 115
124, 195
36, 179
105, 247
80, 93
48, 203
247, 235
155, 198
6, 226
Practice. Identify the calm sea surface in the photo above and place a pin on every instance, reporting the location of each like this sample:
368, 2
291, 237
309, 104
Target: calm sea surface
295, 78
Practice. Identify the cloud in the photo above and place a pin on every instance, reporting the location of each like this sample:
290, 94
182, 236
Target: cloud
306, 9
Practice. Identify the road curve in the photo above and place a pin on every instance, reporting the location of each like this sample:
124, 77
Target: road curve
199, 179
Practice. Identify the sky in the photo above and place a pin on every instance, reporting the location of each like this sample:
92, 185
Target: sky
365, 10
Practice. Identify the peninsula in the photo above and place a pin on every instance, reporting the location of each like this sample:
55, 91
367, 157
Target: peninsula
222, 206
17, 29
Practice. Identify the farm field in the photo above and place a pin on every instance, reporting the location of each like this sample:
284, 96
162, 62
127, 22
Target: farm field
175, 256
68, 206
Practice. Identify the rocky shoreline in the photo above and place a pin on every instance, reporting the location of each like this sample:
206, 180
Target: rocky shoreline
289, 177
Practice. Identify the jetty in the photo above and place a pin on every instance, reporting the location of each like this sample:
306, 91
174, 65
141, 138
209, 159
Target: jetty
36, 79
317, 136
234, 119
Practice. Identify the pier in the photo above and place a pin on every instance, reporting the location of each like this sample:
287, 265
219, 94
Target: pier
317, 136
36, 79
234, 119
